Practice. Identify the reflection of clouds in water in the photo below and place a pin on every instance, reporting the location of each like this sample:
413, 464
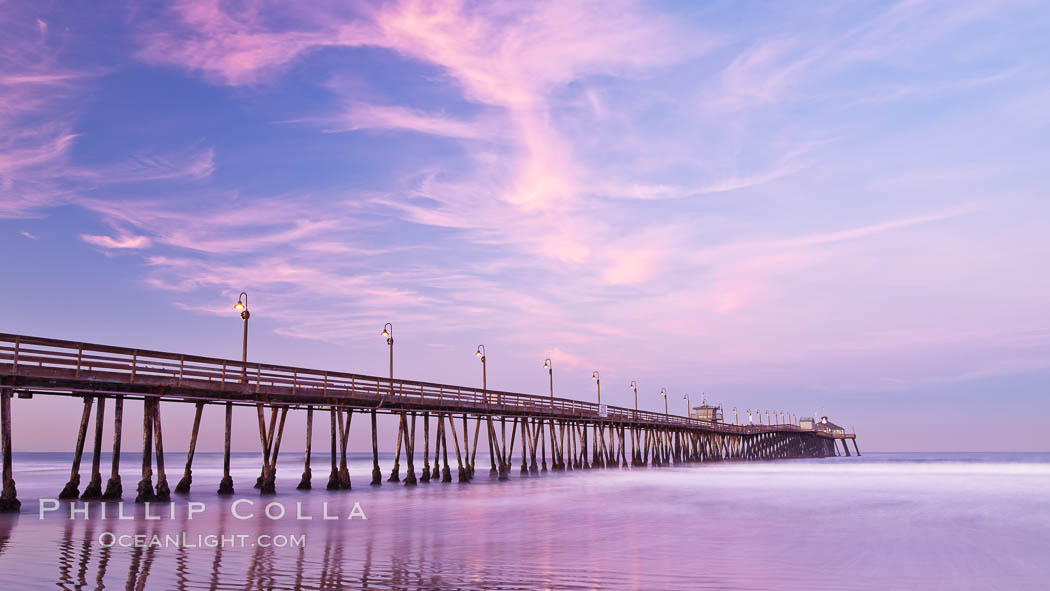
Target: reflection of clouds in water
685, 528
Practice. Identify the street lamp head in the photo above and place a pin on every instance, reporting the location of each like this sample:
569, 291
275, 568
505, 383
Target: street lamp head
242, 305
633, 386
547, 363
594, 375
663, 392
480, 353
388, 330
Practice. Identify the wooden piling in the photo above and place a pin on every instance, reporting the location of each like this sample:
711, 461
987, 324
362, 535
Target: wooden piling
344, 442
543, 448
9, 502
333, 476
114, 490
474, 448
461, 474
226, 484
145, 487
395, 472
163, 493
377, 474
425, 476
492, 448
466, 446
71, 490
94, 487
304, 483
446, 473
183, 487
410, 452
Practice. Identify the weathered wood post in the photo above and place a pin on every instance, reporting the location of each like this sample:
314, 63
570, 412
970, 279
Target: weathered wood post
269, 487
226, 484
145, 487
163, 493
304, 483
94, 488
265, 484
435, 474
410, 452
543, 448
461, 473
71, 490
114, 490
344, 437
474, 448
534, 432
183, 486
446, 473
9, 502
395, 472
466, 446
425, 476
377, 474
492, 448
524, 471
333, 476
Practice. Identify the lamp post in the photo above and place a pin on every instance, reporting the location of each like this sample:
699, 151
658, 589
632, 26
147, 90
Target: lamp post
736, 418
550, 377
635, 454
543, 441
377, 474
687, 405
663, 392
226, 484
598, 383
480, 353
750, 418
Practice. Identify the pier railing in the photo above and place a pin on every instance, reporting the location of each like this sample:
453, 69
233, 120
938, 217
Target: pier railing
91, 366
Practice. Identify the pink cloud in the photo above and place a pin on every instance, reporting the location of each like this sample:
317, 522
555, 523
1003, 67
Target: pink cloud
118, 243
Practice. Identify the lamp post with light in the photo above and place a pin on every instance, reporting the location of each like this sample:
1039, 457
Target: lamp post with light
226, 484
598, 432
480, 354
635, 453
543, 440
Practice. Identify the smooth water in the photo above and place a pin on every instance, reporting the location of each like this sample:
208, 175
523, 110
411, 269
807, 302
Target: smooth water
881, 521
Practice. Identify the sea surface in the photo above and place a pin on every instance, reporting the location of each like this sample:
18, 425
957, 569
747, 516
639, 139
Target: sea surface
880, 521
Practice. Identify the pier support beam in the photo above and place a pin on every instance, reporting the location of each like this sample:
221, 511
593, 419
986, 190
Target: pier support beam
333, 476
94, 487
855, 448
71, 490
377, 474
395, 472
344, 441
183, 487
410, 451
9, 502
145, 488
226, 484
425, 476
114, 490
163, 493
304, 483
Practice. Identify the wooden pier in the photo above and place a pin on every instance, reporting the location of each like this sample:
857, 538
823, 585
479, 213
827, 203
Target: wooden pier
570, 434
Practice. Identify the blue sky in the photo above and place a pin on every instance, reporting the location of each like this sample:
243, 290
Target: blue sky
798, 207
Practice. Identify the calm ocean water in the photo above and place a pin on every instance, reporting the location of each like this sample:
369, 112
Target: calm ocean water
881, 521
